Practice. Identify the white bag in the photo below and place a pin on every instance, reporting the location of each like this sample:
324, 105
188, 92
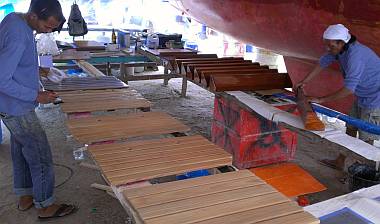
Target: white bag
55, 75
46, 44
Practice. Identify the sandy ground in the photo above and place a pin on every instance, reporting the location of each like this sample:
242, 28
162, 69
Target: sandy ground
95, 206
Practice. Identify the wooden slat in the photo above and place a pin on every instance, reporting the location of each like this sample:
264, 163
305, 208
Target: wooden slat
297, 218
206, 75
102, 100
201, 214
72, 54
103, 128
84, 45
258, 215
184, 64
198, 70
250, 82
87, 83
309, 117
179, 61
189, 183
200, 192
169, 170
89, 68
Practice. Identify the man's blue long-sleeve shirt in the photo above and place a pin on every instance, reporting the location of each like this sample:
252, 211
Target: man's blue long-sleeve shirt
19, 75
361, 68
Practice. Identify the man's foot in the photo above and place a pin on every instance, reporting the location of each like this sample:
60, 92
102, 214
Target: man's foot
25, 203
56, 211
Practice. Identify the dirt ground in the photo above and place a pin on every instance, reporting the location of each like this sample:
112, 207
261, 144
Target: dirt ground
97, 207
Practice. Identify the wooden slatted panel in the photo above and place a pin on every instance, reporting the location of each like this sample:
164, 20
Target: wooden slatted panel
101, 100
192, 70
87, 83
141, 160
250, 82
103, 128
206, 75
171, 52
235, 197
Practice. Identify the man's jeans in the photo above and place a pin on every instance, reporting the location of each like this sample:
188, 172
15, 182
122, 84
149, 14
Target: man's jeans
33, 172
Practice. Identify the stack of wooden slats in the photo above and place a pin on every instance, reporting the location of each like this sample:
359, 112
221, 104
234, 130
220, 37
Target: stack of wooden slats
225, 74
85, 83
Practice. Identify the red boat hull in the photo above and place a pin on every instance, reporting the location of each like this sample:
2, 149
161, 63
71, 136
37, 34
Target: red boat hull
292, 28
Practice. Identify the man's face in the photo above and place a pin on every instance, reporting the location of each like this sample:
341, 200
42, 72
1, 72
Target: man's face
44, 26
334, 46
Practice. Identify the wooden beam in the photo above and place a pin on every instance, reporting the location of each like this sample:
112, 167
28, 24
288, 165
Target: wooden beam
206, 75
309, 117
250, 82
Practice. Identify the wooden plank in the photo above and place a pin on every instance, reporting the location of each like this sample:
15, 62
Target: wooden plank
202, 193
194, 202
72, 54
198, 70
201, 214
184, 64
89, 68
257, 215
297, 218
309, 117
86, 83
189, 183
142, 145
169, 171
103, 128
250, 82
179, 61
206, 75
170, 52
191, 68
85, 45
101, 101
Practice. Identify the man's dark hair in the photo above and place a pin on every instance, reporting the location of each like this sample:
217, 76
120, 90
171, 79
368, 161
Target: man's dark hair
47, 8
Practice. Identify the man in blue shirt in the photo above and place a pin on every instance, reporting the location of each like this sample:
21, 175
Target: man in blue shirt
19, 95
361, 71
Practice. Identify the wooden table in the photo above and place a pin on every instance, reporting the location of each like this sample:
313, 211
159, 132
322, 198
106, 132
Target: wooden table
235, 197
123, 163
86, 83
103, 128
102, 100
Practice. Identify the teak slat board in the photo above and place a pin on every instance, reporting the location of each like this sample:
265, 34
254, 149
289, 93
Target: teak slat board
101, 100
171, 52
250, 82
234, 198
87, 83
85, 45
103, 128
123, 163
72, 55
308, 116
206, 75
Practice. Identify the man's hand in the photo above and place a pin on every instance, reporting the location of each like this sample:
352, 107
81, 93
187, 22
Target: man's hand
45, 97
